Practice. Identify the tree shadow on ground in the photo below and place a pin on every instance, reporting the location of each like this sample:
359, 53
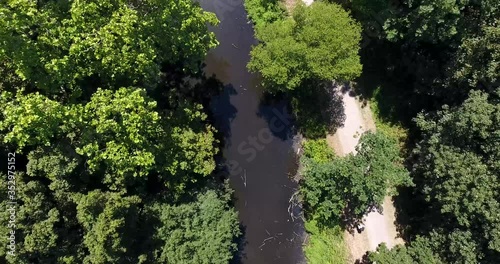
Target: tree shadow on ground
365, 259
351, 220
318, 108
380, 83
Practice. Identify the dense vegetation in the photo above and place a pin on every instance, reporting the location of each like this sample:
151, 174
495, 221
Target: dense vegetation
339, 191
344, 189
456, 169
116, 149
301, 53
452, 212
320, 43
431, 72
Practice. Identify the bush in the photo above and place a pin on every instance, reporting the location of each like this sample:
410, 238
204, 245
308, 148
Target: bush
318, 150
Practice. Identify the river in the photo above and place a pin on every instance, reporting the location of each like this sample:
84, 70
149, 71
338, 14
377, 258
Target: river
260, 149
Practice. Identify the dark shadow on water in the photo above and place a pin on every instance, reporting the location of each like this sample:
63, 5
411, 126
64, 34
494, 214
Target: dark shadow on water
241, 241
221, 175
275, 109
224, 112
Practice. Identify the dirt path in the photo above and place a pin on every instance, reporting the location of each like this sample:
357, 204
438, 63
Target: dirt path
379, 228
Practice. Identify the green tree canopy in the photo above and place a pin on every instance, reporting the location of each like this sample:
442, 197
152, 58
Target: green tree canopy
100, 150
318, 42
352, 185
110, 224
65, 47
118, 133
199, 232
418, 252
477, 61
457, 170
440, 21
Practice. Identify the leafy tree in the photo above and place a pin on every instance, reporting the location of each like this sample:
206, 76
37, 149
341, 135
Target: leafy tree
441, 21
119, 133
44, 234
318, 150
350, 186
264, 12
99, 157
417, 252
199, 232
31, 119
476, 62
371, 13
66, 48
110, 223
457, 170
119, 129
318, 42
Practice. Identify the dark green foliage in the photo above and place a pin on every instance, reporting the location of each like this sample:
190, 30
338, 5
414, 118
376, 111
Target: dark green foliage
348, 187
87, 99
199, 232
418, 252
476, 62
109, 221
456, 171
440, 21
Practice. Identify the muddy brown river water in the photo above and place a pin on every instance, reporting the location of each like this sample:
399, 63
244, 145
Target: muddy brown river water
260, 152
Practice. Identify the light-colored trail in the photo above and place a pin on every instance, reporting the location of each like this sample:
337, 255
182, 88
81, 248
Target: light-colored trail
379, 227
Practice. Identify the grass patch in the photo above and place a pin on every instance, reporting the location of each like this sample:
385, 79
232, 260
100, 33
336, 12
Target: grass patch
318, 150
325, 246
395, 130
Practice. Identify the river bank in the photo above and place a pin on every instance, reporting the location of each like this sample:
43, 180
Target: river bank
260, 150
379, 226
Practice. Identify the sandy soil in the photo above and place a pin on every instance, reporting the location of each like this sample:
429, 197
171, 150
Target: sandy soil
289, 5
379, 228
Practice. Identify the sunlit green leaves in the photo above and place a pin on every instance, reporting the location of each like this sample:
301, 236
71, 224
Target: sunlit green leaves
66, 48
354, 184
318, 42
31, 119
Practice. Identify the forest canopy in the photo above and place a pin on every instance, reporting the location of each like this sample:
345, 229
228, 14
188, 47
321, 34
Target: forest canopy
116, 154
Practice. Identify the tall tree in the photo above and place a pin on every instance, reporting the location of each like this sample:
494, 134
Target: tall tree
66, 48
110, 224
457, 167
119, 133
419, 251
351, 186
318, 42
199, 232
476, 63
440, 22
